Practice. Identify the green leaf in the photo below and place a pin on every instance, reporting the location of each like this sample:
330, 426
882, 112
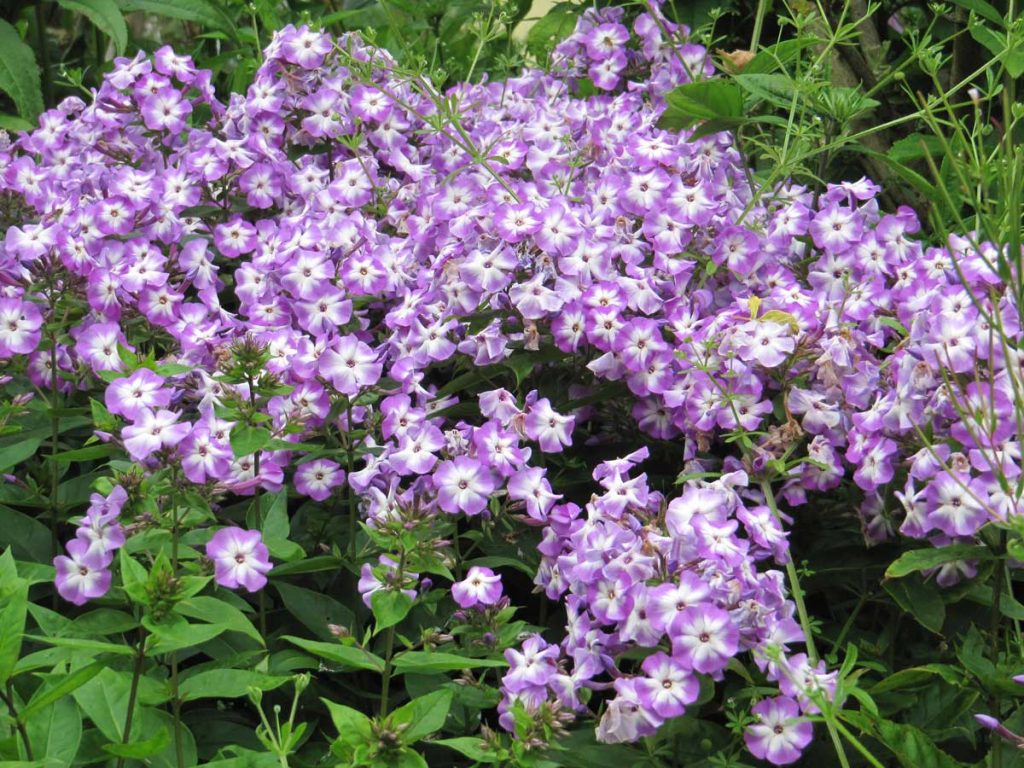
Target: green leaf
428, 662
920, 600
932, 557
274, 508
14, 124
983, 9
84, 644
314, 609
347, 655
704, 100
55, 732
349, 722
175, 634
23, 446
204, 12
104, 700
19, 75
910, 745
12, 624
44, 696
774, 57
551, 29
917, 677
246, 439
138, 750
390, 606
227, 684
471, 747
105, 15
423, 716
777, 90
216, 611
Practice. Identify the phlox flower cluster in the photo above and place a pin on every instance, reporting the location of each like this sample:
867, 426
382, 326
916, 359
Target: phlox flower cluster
323, 217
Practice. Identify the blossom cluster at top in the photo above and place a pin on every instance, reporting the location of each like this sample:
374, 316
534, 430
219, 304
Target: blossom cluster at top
336, 217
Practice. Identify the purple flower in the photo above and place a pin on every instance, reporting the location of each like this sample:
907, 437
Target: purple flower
240, 558
706, 637
131, 396
463, 485
480, 587
780, 734
551, 430
20, 323
152, 431
350, 365
82, 574
318, 478
668, 687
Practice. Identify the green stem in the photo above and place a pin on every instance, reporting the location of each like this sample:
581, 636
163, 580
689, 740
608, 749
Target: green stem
179, 752
755, 37
133, 691
805, 624
44, 54
389, 648
54, 448
8, 699
385, 683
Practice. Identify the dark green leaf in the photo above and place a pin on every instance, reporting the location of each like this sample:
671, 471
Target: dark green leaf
19, 74
105, 15
920, 600
932, 557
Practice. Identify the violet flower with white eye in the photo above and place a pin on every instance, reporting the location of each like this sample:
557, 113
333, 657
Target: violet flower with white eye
463, 485
780, 734
482, 586
318, 478
240, 559
82, 573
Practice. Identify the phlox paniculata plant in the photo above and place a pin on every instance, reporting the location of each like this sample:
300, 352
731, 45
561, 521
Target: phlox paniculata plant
345, 323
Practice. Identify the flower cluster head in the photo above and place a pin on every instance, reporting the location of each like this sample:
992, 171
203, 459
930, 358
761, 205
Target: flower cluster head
83, 573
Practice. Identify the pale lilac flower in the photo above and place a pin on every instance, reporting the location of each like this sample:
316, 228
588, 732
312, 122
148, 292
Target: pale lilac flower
240, 558
480, 587
82, 574
152, 431
780, 734
463, 485
318, 478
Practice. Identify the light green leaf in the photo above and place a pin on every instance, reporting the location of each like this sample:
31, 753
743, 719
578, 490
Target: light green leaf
246, 439
204, 12
19, 74
12, 624
141, 749
216, 611
427, 662
227, 684
704, 100
347, 655
46, 695
104, 700
105, 15
390, 606
423, 716
56, 731
471, 747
